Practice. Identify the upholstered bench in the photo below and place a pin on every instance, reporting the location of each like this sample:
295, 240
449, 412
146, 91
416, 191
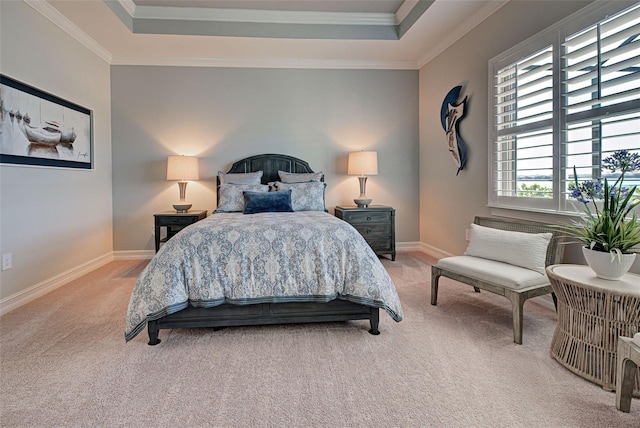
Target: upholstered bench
508, 264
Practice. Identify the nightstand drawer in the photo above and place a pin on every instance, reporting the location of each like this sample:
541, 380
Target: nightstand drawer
380, 244
177, 221
367, 217
374, 229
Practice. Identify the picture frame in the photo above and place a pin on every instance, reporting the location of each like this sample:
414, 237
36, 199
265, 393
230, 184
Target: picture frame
40, 129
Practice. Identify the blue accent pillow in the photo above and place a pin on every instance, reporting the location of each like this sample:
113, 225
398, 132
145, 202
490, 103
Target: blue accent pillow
267, 202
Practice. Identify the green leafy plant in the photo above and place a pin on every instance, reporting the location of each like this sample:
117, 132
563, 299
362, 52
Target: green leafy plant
613, 227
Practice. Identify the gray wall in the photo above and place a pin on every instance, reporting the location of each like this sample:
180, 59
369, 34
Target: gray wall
225, 114
460, 198
54, 220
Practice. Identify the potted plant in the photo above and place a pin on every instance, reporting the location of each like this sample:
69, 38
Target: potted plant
612, 230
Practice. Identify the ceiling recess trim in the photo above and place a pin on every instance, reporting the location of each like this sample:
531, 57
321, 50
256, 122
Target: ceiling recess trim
268, 23
263, 16
266, 63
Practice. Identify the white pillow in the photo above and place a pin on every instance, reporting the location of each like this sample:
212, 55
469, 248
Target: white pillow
527, 250
291, 177
307, 196
231, 198
240, 178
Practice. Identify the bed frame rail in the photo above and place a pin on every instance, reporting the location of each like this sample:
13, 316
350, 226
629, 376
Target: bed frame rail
228, 315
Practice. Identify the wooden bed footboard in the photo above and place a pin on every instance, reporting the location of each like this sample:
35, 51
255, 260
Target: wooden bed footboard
227, 315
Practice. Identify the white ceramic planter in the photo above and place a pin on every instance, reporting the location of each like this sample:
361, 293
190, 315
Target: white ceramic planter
600, 262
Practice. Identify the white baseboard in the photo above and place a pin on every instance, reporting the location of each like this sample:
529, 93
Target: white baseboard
23, 297
434, 252
133, 255
403, 247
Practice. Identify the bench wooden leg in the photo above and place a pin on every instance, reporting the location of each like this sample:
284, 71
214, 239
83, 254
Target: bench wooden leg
517, 302
476, 289
435, 277
626, 369
624, 387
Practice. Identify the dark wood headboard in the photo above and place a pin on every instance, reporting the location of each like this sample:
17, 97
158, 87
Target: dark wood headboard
269, 164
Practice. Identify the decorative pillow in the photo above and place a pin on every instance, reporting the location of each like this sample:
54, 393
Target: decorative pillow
527, 250
242, 178
290, 177
270, 202
307, 196
231, 198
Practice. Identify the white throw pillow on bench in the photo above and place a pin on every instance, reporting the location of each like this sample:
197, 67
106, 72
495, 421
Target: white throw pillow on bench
527, 250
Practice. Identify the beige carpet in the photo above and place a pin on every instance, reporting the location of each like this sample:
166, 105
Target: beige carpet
65, 363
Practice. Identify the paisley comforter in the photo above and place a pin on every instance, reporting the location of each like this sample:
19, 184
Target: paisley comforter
307, 256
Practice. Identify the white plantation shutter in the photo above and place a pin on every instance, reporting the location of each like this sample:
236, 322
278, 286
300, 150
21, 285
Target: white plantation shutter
559, 101
601, 95
523, 123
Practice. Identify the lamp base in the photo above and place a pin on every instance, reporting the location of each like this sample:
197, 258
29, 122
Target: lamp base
182, 208
362, 203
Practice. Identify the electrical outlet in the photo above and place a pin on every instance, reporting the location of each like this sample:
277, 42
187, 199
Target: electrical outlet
466, 234
6, 261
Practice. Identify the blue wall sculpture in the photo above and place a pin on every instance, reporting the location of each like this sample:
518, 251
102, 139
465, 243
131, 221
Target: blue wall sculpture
450, 115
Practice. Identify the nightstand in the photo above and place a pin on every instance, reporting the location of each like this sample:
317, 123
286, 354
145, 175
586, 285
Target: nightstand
175, 222
376, 224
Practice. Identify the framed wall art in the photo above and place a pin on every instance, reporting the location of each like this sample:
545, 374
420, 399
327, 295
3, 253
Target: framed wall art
38, 128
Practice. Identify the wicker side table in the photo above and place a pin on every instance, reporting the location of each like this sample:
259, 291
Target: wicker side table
592, 314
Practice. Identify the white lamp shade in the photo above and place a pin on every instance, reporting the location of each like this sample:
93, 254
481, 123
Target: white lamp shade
363, 163
182, 168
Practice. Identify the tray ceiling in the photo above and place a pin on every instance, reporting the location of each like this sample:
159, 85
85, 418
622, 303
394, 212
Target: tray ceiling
379, 34
301, 19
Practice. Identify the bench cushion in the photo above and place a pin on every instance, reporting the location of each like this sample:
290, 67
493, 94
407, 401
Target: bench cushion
494, 272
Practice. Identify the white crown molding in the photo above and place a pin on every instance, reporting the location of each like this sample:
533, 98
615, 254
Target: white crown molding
405, 8
259, 16
266, 63
129, 6
467, 25
23, 297
69, 27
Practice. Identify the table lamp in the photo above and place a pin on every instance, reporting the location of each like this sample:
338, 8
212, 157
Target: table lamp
362, 164
182, 168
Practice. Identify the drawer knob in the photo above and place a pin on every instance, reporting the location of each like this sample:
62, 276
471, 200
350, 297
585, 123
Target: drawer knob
368, 231
368, 218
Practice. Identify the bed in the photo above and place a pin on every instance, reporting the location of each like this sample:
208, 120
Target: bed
237, 269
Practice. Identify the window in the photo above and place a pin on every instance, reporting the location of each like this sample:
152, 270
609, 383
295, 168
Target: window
568, 97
